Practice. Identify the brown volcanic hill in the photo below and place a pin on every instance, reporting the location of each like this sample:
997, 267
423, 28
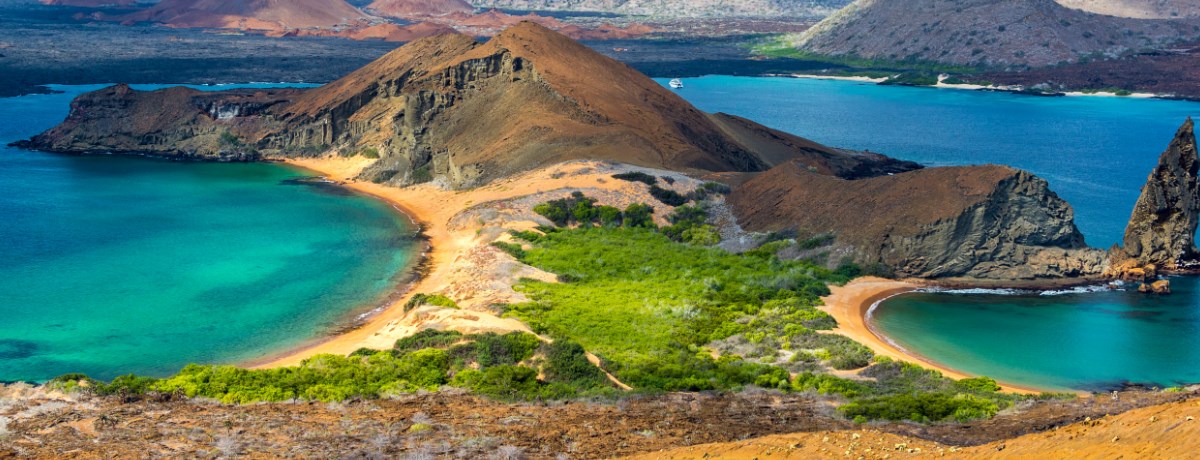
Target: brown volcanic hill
1142, 9
985, 32
453, 109
419, 8
251, 14
982, 222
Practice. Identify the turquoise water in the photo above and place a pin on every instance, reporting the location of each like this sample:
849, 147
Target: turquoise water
117, 264
1094, 341
1096, 152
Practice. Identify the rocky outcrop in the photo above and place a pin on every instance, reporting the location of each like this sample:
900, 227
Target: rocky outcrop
980, 222
450, 109
1162, 230
174, 122
994, 33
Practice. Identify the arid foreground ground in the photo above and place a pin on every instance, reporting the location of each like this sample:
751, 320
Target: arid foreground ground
39, 424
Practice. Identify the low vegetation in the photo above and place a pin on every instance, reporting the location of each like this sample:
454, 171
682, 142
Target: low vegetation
661, 308
500, 366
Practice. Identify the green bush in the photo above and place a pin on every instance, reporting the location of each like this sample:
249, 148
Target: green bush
505, 382
369, 152
667, 196
512, 249
635, 176
828, 384
638, 215
978, 385
429, 299
567, 363
922, 407
428, 338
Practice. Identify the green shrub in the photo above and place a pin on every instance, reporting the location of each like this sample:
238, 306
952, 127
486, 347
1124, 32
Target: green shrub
422, 174
429, 299
922, 407
609, 216
638, 215
635, 176
505, 382
828, 384
978, 385
492, 349
667, 196
369, 152
512, 249
567, 363
428, 338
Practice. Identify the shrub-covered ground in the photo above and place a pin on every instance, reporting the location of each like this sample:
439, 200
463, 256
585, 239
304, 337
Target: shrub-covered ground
662, 307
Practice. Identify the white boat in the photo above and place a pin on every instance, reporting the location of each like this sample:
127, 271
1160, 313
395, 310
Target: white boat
676, 83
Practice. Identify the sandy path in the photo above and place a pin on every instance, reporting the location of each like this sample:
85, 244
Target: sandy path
849, 305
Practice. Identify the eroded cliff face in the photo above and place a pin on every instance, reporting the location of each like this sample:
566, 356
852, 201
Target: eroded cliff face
174, 122
980, 222
1161, 232
452, 110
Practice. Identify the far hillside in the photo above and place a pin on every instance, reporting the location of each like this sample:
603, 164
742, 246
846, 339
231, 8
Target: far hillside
1144, 9
985, 33
679, 8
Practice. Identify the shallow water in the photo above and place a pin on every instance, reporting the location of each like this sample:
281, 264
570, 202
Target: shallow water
1096, 152
1094, 341
114, 264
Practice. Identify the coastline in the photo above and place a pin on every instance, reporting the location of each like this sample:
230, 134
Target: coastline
973, 87
459, 260
851, 306
350, 338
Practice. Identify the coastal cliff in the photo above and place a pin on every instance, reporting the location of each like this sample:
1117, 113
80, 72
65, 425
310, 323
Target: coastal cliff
1162, 229
980, 222
452, 110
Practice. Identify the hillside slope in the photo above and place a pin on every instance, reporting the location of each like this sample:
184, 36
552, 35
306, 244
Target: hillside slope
1142, 9
979, 222
251, 14
985, 32
677, 9
418, 8
452, 109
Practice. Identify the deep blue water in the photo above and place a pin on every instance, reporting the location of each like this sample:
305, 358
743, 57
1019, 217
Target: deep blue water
111, 264
1096, 152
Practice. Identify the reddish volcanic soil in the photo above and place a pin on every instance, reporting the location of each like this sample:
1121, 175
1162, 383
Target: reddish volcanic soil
419, 8
251, 14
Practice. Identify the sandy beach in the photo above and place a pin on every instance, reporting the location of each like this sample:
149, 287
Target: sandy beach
459, 226
462, 264
850, 304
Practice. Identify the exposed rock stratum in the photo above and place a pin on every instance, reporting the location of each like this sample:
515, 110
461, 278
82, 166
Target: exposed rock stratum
1162, 229
981, 222
451, 109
